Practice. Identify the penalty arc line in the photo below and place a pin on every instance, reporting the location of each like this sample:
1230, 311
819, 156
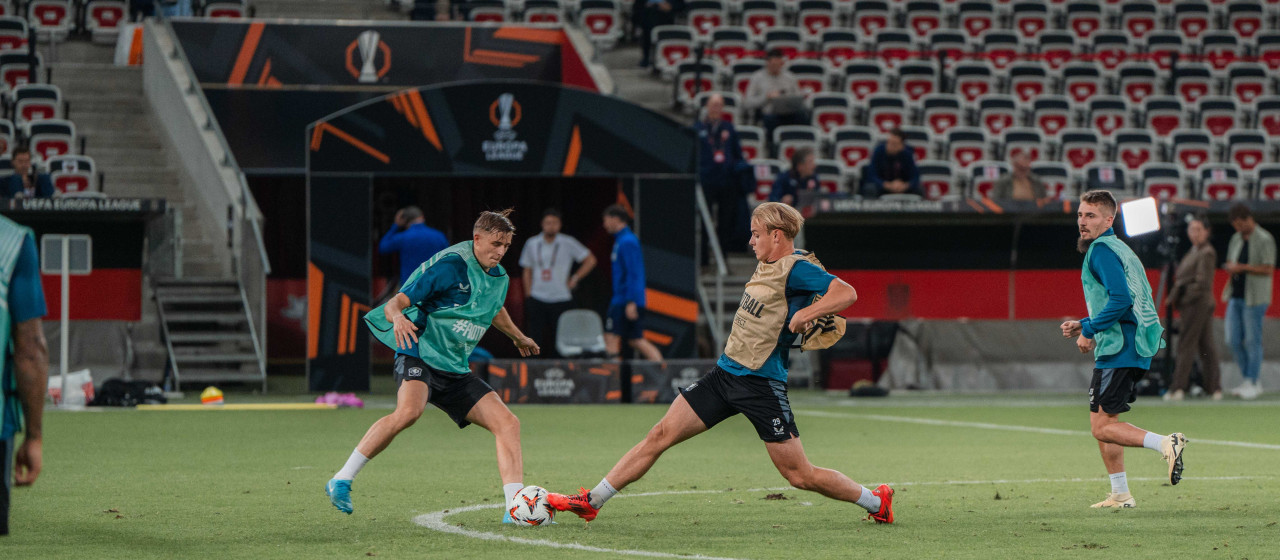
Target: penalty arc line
1008, 427
435, 520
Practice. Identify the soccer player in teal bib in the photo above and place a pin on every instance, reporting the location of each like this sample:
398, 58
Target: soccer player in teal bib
1123, 331
433, 324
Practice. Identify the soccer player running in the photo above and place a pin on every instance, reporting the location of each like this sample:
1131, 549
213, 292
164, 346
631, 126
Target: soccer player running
434, 323
751, 376
1123, 331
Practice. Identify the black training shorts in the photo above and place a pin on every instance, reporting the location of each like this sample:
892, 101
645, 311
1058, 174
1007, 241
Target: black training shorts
453, 393
720, 394
1112, 389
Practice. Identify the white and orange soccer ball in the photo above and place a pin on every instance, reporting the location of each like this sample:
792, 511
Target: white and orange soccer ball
530, 508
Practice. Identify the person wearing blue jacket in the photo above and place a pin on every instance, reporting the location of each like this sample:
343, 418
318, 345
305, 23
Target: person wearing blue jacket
1123, 331
626, 309
787, 187
25, 182
892, 169
412, 239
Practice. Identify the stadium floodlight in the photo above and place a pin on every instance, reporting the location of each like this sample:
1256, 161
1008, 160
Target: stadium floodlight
1140, 216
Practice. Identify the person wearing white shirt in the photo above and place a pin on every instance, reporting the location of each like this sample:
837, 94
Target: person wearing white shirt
547, 260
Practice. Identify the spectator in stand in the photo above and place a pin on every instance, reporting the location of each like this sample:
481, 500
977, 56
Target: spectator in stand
1021, 183
726, 178
787, 187
412, 239
1193, 297
1251, 261
25, 181
546, 260
649, 14
627, 307
775, 93
892, 169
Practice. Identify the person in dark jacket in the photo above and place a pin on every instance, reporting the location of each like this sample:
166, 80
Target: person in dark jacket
648, 14
892, 169
787, 187
722, 168
25, 181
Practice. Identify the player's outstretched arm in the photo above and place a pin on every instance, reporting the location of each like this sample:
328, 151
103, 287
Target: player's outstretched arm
840, 295
502, 321
406, 331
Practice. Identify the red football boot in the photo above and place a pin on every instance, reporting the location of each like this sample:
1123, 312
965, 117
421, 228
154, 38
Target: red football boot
580, 505
885, 515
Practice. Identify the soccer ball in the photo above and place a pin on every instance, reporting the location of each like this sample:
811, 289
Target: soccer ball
530, 508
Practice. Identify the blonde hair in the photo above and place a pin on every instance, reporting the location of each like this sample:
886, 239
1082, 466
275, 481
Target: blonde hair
779, 216
495, 222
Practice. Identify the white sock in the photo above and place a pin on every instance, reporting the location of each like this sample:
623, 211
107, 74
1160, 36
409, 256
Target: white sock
1152, 441
869, 501
353, 466
601, 494
510, 490
1119, 483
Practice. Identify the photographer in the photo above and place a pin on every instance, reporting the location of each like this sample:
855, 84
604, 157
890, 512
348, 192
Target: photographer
25, 181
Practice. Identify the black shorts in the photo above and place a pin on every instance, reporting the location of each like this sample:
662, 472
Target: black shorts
618, 323
454, 394
6, 470
1112, 389
720, 394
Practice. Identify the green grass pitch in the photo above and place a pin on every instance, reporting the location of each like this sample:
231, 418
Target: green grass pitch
998, 476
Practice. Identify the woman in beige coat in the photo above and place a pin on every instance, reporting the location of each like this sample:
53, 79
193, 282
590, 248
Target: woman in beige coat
1193, 298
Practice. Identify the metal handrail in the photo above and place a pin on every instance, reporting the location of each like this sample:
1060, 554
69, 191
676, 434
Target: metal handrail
715, 316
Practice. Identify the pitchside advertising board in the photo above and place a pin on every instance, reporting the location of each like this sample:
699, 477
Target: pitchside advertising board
289, 74
590, 381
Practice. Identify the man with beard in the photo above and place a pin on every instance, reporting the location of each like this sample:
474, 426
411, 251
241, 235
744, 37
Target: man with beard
1123, 331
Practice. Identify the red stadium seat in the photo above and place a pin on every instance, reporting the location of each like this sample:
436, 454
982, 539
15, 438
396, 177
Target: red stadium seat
672, 46
1135, 148
789, 138
1029, 81
917, 79
1163, 181
983, 176
1267, 111
997, 113
1191, 149
1024, 140
228, 9
1164, 114
924, 16
937, 179
1268, 181
1081, 81
1218, 115
1084, 19
810, 74
1137, 80
730, 44
73, 174
829, 111
942, 112
1221, 181
49, 138
973, 80
967, 146
34, 102
1107, 114
1248, 149
706, 15
1056, 176
886, 112
752, 140
1051, 114
103, 18
863, 78
852, 145
1080, 147
766, 171
761, 15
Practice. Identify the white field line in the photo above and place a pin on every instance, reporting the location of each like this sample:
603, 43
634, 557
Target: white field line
436, 520
1009, 427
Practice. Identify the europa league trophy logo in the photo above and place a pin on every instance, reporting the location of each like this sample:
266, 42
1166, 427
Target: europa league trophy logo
504, 105
368, 42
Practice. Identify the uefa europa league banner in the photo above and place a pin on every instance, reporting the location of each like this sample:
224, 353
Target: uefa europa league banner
556, 381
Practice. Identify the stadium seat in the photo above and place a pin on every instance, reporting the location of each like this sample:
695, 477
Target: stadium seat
49, 138
893, 47
1030, 19
33, 102
816, 16
870, 16
1191, 19
1267, 113
973, 80
789, 138
919, 140
1163, 114
1110, 50
1081, 81
740, 74
102, 18
810, 74
917, 79
1268, 49
730, 44
1080, 147
1056, 176
886, 112
485, 11
1106, 176
1219, 49
983, 176
1135, 147
951, 43
1221, 181
228, 9
997, 112
13, 33
852, 145
790, 40
1268, 183
829, 111
924, 16
1084, 19
693, 78
975, 19
72, 174
580, 333
1028, 81
760, 16
1163, 181
15, 69
937, 179
941, 112
1191, 148
1057, 49
672, 46
838, 47
1245, 18
1051, 114
51, 19
543, 11
1137, 81
967, 146
1001, 48
1246, 81
706, 15
1137, 19
1218, 115
1248, 149
752, 140
1161, 46
7, 138
1107, 114
766, 171
602, 20
831, 175
1024, 140
864, 78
